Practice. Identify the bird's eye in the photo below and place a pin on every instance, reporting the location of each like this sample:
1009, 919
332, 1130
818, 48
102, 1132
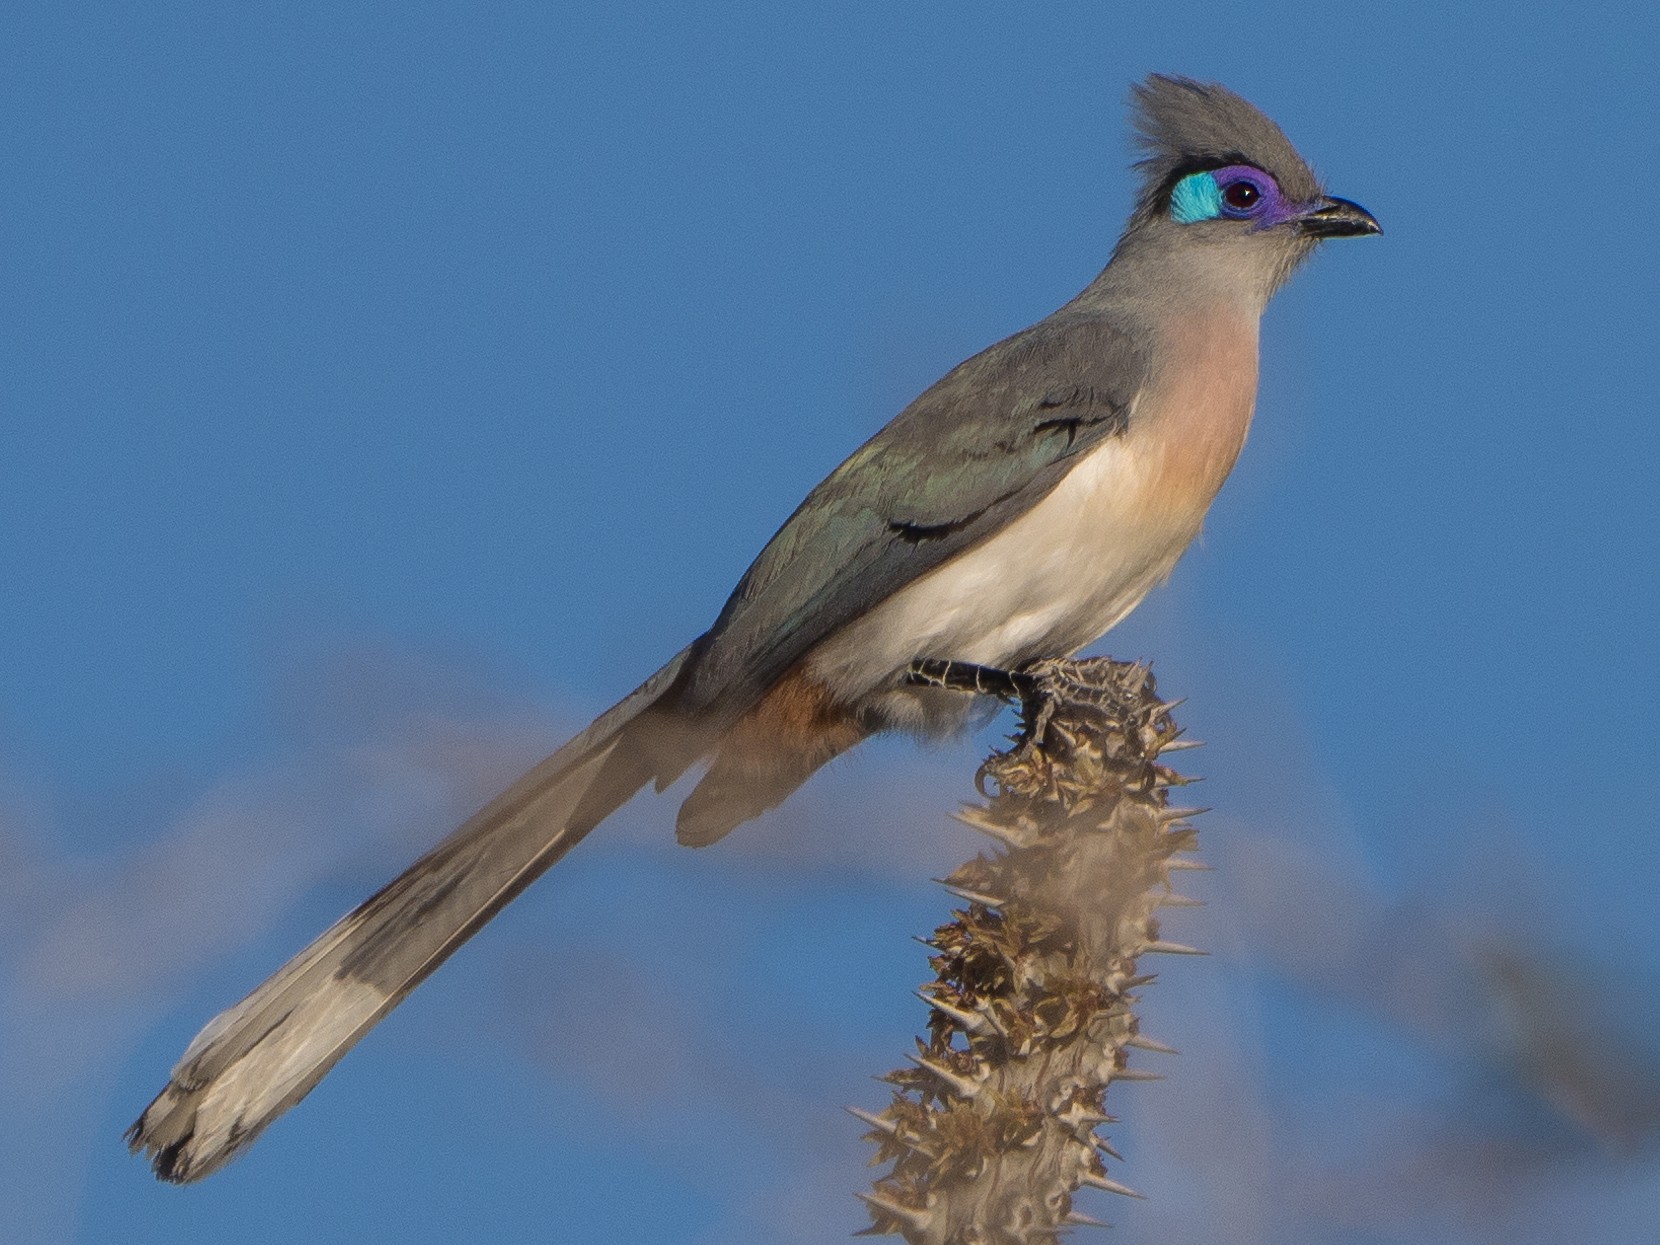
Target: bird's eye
1241, 196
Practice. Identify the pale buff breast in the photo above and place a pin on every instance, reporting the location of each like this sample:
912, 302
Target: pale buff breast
1070, 568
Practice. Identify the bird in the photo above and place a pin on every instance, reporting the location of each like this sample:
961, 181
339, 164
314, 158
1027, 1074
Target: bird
1015, 511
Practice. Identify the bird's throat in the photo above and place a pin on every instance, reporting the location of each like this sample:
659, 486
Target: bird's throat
1191, 424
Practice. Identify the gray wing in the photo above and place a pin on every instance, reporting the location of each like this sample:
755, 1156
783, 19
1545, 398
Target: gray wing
974, 452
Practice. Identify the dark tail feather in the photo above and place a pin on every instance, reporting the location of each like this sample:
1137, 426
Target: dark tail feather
254, 1061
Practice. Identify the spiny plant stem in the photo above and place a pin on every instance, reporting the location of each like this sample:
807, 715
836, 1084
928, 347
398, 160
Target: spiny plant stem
991, 1131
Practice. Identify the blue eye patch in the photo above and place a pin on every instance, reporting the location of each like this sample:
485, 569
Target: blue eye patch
1196, 197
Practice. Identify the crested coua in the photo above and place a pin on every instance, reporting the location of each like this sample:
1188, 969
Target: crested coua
1017, 510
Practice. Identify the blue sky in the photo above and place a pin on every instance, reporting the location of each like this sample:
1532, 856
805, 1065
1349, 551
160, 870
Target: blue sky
386, 389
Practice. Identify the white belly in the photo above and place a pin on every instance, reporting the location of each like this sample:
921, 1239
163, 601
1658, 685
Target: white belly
1055, 579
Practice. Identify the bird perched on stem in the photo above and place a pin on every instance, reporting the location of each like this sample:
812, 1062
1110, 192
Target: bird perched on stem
1015, 511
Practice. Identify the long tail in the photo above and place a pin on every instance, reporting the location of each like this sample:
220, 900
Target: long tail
254, 1061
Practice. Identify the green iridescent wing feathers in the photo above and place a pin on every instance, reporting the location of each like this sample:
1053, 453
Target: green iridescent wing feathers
974, 452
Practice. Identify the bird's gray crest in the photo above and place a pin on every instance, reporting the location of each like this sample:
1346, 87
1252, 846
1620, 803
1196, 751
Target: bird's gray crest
1184, 124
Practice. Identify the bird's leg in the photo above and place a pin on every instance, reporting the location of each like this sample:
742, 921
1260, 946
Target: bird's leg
965, 676
1094, 688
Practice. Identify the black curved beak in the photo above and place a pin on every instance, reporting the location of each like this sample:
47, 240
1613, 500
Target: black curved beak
1337, 218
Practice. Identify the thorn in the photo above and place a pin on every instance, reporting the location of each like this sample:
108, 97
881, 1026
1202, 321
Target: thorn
927, 942
1161, 947
918, 1219
890, 1127
1182, 745
1147, 1043
1170, 899
1170, 706
972, 1022
965, 1088
1137, 1074
1168, 815
1081, 1116
988, 1013
1109, 1186
1105, 1147
971, 818
988, 901
1077, 1219
1198, 866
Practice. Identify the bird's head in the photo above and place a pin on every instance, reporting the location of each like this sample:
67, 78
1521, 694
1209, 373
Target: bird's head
1220, 175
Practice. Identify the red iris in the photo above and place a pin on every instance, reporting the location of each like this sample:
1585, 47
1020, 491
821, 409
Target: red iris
1241, 196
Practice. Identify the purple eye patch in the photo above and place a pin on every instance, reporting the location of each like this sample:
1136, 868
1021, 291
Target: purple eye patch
1234, 192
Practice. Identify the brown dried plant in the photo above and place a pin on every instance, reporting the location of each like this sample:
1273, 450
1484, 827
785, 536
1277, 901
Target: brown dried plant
993, 1129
